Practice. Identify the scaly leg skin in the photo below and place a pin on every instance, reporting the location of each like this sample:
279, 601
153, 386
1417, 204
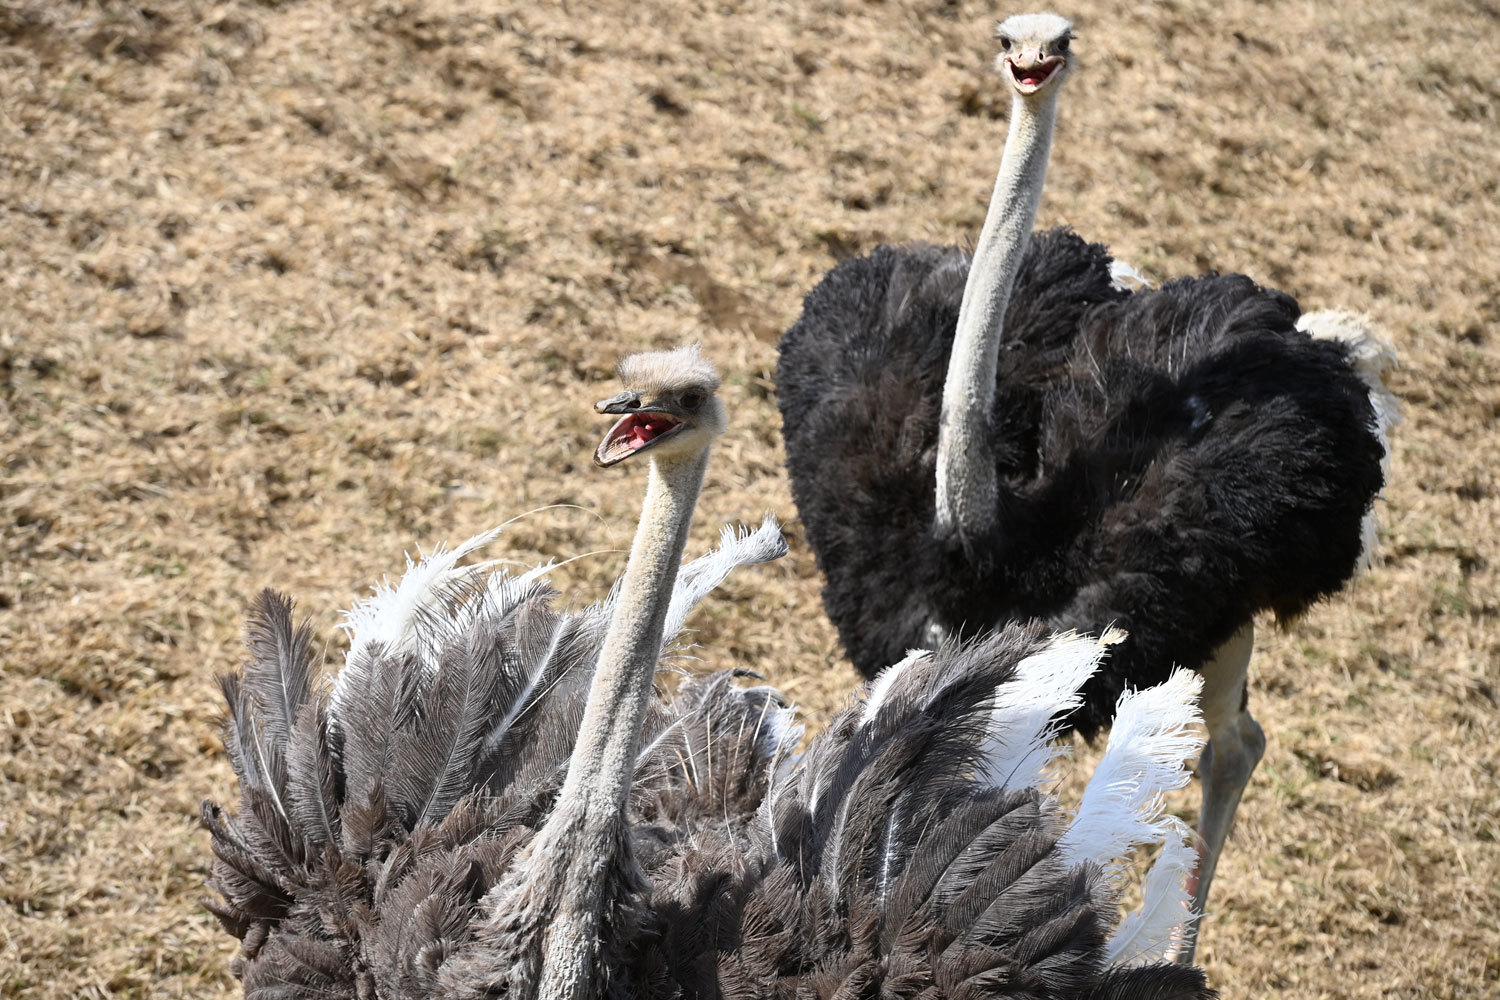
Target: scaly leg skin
1235, 746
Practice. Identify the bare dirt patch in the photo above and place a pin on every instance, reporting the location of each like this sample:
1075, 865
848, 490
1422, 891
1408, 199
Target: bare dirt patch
289, 287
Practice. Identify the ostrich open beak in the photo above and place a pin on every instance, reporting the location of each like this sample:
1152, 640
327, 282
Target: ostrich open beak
1030, 75
641, 427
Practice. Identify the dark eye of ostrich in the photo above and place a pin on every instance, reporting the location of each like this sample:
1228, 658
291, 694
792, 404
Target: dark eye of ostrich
692, 399
1062, 44
1004, 44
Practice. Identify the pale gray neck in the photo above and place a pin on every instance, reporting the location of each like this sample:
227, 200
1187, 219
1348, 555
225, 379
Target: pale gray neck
582, 836
966, 485
603, 759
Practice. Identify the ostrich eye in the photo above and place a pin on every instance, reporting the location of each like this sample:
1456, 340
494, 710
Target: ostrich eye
692, 400
1062, 44
1004, 44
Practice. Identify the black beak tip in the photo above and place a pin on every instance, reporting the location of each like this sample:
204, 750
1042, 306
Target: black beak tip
622, 403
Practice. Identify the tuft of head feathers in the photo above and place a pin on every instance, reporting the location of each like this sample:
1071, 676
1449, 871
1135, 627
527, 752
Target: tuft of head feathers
660, 373
1034, 28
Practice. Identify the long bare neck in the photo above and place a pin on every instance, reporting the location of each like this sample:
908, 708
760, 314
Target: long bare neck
604, 757
582, 842
966, 485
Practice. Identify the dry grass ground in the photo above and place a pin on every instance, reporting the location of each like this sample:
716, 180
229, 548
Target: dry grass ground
287, 288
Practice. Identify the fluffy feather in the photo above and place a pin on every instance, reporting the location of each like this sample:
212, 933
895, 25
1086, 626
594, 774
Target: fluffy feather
880, 687
365, 859
1126, 278
1372, 356
389, 615
1171, 460
1155, 731
738, 547
1153, 932
1023, 724
388, 620
364, 813
895, 861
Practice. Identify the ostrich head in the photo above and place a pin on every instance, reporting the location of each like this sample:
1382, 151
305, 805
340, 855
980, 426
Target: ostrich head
670, 406
1034, 52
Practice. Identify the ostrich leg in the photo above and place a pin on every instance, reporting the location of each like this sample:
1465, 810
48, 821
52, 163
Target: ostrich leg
1235, 745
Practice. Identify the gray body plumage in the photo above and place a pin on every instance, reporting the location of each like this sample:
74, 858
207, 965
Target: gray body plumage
494, 801
373, 844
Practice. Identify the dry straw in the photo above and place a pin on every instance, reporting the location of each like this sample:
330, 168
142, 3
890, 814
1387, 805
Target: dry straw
289, 287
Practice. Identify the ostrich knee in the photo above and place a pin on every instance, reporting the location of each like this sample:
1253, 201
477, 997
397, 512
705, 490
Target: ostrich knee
1224, 768
1235, 745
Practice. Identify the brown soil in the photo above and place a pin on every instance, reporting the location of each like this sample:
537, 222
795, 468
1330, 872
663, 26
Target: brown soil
287, 288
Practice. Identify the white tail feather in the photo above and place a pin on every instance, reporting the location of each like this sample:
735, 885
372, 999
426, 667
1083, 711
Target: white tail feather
880, 688
1154, 734
1371, 356
1020, 739
783, 736
1155, 931
738, 546
1126, 278
386, 617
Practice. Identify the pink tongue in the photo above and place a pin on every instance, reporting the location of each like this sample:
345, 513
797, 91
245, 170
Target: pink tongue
640, 434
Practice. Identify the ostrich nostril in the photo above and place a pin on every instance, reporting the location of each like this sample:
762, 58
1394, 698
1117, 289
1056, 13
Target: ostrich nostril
622, 403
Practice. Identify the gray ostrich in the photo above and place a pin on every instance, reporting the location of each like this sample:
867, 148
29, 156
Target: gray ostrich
1014, 436
492, 800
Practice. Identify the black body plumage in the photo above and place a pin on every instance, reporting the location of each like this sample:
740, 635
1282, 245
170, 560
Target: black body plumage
377, 827
1171, 461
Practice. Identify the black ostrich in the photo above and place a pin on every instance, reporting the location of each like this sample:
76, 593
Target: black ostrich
492, 800
1018, 437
